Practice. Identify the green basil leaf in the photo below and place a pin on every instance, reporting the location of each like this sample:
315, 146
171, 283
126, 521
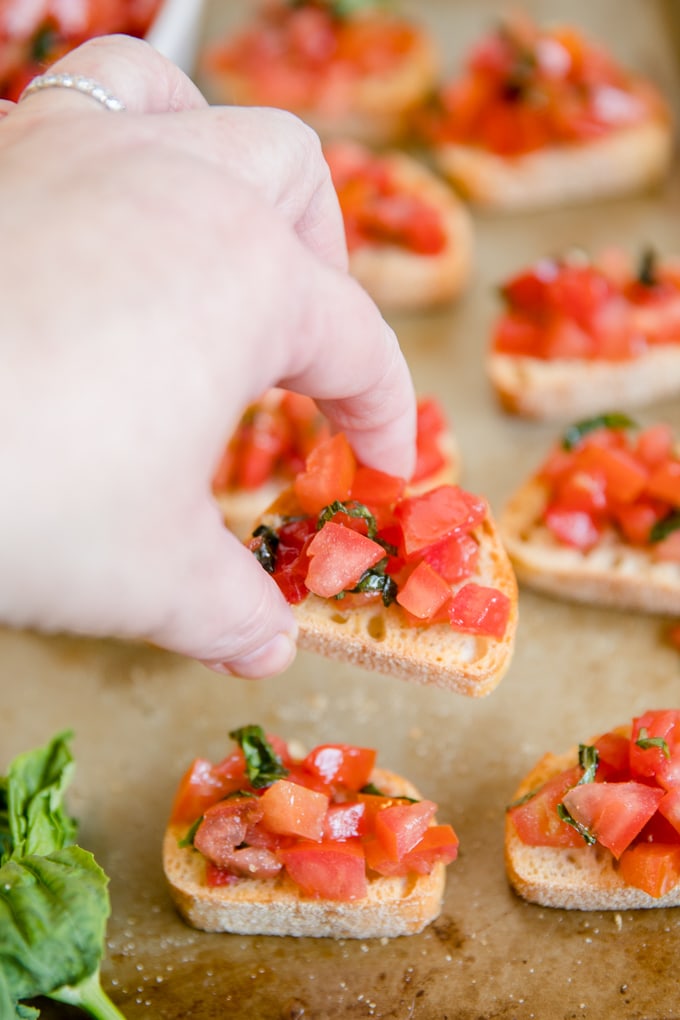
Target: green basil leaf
352, 509
665, 527
611, 420
588, 759
263, 765
647, 268
582, 830
645, 742
265, 551
376, 580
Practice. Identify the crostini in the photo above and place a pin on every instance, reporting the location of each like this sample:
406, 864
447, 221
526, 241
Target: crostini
598, 828
578, 335
354, 70
276, 435
543, 117
319, 845
599, 521
409, 237
413, 586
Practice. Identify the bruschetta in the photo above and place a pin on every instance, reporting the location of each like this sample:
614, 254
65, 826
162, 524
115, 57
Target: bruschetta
598, 828
324, 844
542, 117
409, 237
276, 435
413, 586
578, 335
599, 521
354, 70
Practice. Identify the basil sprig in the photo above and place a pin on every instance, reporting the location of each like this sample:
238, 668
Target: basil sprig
54, 900
665, 527
646, 273
352, 509
588, 759
265, 550
263, 765
610, 420
582, 830
645, 742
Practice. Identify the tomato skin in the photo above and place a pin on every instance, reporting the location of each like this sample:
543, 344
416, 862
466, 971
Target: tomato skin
443, 511
424, 593
614, 812
438, 844
536, 820
200, 787
338, 557
328, 870
328, 476
294, 810
613, 757
345, 821
652, 867
376, 488
400, 827
478, 609
341, 764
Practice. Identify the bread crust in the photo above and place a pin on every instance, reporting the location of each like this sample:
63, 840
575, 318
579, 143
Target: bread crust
581, 878
626, 160
398, 279
613, 574
378, 639
572, 388
276, 906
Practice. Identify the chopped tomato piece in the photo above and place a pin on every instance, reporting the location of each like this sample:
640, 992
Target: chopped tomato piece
664, 482
345, 821
376, 488
424, 592
535, 817
576, 528
329, 870
613, 756
613, 812
652, 867
399, 827
328, 475
478, 609
341, 764
654, 736
454, 558
294, 810
439, 844
338, 557
427, 519
201, 786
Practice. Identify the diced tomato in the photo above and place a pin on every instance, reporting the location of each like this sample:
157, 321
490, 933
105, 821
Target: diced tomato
341, 764
400, 827
329, 870
443, 511
216, 876
223, 827
669, 807
625, 478
439, 844
201, 786
636, 520
664, 482
424, 593
536, 820
328, 475
338, 557
613, 812
294, 810
655, 747
375, 488
478, 609
613, 757
345, 821
454, 558
576, 528
654, 445
652, 867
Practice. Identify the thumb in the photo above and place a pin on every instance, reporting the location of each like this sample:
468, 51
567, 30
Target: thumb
226, 611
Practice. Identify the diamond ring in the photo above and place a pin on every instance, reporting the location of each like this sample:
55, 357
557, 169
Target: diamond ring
77, 83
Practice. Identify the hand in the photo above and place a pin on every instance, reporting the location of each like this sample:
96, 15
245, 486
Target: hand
167, 265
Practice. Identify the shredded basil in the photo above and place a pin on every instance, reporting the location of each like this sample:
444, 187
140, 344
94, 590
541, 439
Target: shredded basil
582, 830
352, 509
611, 420
263, 765
665, 527
524, 798
265, 550
588, 759
373, 790
647, 274
645, 742
376, 580
188, 838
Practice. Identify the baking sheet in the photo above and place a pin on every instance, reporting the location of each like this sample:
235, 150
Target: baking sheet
141, 715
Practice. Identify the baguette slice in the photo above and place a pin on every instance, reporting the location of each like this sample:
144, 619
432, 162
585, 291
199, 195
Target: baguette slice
613, 574
276, 906
370, 104
396, 277
581, 878
627, 160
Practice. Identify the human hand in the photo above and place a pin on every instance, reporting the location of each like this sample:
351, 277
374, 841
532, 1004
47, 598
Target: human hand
167, 265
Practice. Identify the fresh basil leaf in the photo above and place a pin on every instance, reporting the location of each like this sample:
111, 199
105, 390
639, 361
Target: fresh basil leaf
373, 790
376, 580
665, 527
265, 551
582, 830
263, 765
529, 795
588, 759
645, 742
188, 838
647, 268
352, 509
611, 420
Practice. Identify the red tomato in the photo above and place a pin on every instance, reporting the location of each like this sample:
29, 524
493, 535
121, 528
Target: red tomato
439, 844
664, 482
536, 820
341, 764
654, 445
200, 787
613, 812
424, 592
427, 519
328, 870
328, 475
454, 558
478, 609
294, 810
653, 726
400, 827
625, 478
613, 757
576, 528
345, 821
669, 807
338, 557
376, 488
652, 867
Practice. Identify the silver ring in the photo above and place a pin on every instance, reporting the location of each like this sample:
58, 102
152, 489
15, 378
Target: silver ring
77, 83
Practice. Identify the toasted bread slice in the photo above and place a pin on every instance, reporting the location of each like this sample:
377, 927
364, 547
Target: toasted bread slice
568, 389
400, 279
574, 878
613, 574
379, 639
276, 906
627, 160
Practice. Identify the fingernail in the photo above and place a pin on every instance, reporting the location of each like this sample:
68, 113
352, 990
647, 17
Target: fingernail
268, 660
